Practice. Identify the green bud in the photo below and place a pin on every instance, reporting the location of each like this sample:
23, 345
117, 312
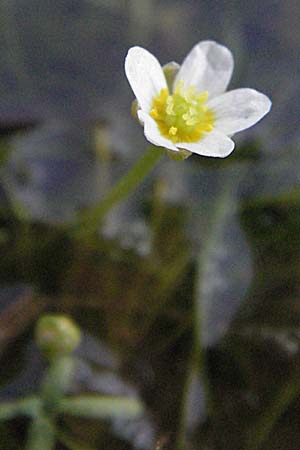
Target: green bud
180, 155
57, 335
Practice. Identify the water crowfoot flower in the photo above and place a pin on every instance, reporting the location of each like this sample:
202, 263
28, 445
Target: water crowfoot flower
193, 113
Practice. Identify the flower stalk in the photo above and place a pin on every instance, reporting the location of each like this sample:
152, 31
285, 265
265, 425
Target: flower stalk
90, 221
42, 434
57, 336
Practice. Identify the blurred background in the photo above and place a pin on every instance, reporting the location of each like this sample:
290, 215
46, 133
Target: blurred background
168, 270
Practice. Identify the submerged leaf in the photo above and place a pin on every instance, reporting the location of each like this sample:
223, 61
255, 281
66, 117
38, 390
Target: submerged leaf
224, 264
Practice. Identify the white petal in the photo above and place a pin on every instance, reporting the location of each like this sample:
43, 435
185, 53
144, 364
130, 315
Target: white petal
239, 109
145, 76
208, 67
213, 144
152, 132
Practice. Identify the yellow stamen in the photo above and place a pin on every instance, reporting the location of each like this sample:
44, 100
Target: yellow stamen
182, 116
173, 131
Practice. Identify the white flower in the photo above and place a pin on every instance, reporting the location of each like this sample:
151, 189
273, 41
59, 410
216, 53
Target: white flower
195, 114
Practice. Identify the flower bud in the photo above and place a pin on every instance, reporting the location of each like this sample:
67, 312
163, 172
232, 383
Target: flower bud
57, 335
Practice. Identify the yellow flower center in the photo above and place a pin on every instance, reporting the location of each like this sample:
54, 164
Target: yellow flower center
182, 116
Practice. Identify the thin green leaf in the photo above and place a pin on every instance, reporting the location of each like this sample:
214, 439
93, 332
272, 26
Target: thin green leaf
101, 407
268, 419
70, 443
24, 407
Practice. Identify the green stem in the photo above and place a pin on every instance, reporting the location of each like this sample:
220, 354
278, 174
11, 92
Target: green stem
70, 443
271, 415
181, 433
90, 221
25, 407
218, 210
95, 406
42, 434
57, 380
